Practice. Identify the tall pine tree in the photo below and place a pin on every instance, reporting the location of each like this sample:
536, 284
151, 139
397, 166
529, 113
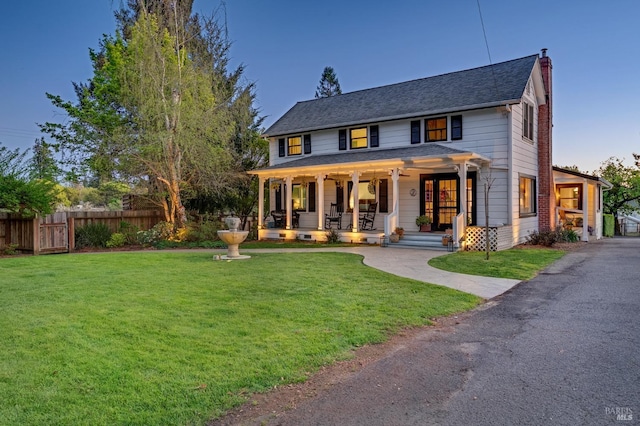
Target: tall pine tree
329, 84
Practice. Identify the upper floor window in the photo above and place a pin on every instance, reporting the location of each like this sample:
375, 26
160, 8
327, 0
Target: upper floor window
527, 196
358, 138
436, 129
527, 120
294, 145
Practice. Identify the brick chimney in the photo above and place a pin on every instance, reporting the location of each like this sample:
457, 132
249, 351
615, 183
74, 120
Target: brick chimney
546, 191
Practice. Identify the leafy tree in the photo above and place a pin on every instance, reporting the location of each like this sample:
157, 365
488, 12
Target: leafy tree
626, 186
42, 164
20, 193
161, 110
329, 85
97, 123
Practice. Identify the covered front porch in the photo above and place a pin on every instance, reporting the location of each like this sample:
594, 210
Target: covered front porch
579, 202
365, 196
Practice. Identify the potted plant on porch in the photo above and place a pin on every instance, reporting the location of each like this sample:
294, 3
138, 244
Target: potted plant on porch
424, 223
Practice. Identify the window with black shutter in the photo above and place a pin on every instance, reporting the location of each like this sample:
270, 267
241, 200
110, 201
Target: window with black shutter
342, 140
312, 197
415, 131
383, 196
281, 147
307, 144
374, 139
456, 127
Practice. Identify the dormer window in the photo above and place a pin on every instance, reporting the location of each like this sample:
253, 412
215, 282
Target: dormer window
436, 129
358, 138
294, 145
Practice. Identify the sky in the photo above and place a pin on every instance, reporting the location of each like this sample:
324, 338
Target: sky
285, 44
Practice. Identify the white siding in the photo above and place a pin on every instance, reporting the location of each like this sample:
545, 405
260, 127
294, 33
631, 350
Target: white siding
484, 131
524, 162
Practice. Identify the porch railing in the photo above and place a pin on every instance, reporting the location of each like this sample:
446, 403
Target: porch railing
391, 220
458, 228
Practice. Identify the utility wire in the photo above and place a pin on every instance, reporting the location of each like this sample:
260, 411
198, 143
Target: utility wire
486, 43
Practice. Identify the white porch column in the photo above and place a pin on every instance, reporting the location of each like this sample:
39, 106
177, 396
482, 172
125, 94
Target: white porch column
462, 175
320, 205
585, 210
288, 204
395, 180
355, 217
260, 202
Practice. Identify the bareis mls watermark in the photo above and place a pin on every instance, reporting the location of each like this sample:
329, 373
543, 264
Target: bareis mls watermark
620, 413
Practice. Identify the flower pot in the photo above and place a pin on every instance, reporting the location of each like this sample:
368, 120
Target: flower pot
425, 228
394, 238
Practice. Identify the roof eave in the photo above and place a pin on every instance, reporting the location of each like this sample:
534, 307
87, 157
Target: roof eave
399, 162
395, 117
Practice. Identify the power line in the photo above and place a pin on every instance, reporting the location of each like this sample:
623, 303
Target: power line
486, 43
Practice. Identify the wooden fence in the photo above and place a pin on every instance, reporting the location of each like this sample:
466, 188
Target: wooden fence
55, 233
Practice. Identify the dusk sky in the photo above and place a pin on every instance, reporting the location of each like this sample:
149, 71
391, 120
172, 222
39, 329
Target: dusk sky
285, 44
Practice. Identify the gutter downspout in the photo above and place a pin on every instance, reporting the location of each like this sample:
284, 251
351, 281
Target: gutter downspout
508, 111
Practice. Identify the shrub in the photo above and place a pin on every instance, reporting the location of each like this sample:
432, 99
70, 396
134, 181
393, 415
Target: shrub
10, 250
117, 240
569, 236
92, 235
161, 231
206, 230
544, 237
332, 236
130, 232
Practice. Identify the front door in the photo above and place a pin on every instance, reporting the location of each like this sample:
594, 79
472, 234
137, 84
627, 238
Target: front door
440, 199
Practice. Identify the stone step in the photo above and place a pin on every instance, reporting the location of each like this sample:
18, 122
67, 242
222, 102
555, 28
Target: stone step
423, 240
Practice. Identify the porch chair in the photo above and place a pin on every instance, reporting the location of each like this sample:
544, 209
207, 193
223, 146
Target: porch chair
366, 221
334, 216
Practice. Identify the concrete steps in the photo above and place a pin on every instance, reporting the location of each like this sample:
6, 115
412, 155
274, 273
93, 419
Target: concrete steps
421, 240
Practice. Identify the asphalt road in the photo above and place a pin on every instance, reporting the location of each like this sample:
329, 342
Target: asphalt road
561, 349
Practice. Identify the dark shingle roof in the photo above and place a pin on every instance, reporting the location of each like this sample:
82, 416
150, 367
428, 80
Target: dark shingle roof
462, 90
426, 150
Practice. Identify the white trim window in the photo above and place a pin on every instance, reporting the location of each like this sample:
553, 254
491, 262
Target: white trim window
528, 196
527, 120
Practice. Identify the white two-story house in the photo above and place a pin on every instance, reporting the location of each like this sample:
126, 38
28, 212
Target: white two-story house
367, 162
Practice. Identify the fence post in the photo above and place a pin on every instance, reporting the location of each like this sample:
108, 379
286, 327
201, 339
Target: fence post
7, 231
71, 229
36, 235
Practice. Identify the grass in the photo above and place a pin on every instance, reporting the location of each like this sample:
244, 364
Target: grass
149, 338
518, 264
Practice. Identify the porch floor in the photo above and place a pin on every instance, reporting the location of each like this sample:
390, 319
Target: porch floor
426, 240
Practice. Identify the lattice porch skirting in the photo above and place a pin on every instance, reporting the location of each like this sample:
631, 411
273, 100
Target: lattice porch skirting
499, 238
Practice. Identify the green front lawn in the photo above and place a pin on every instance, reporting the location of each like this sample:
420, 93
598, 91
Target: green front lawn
177, 338
520, 264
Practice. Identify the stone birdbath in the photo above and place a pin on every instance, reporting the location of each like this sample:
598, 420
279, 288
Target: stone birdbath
232, 238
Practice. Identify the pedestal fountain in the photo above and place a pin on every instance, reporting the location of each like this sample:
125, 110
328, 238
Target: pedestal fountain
232, 238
